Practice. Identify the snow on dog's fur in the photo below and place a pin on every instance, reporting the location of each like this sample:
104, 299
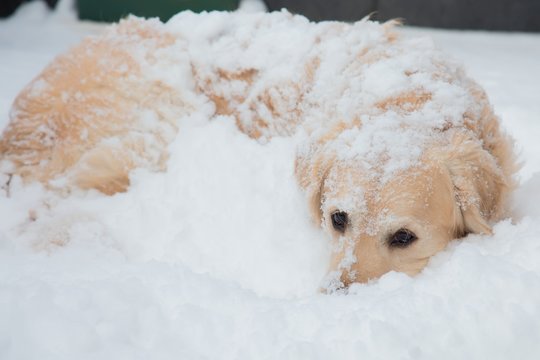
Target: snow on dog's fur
403, 152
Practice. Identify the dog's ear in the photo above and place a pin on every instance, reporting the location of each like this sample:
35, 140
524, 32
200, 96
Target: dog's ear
473, 220
313, 163
479, 185
311, 170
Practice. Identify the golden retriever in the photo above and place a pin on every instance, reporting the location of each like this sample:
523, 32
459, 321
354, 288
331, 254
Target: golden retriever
402, 151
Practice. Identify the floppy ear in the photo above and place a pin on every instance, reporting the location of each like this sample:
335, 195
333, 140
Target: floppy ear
311, 170
313, 162
479, 184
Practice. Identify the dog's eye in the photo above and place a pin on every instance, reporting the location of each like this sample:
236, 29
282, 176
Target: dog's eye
402, 238
340, 220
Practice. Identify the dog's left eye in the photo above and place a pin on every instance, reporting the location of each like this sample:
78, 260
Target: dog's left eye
402, 238
340, 219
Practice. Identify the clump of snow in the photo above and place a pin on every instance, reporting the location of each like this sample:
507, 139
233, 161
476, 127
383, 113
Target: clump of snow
217, 257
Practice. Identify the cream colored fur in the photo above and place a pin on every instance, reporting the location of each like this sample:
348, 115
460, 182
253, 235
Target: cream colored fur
461, 187
78, 125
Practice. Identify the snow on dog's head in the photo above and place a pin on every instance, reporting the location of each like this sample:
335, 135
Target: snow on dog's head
420, 164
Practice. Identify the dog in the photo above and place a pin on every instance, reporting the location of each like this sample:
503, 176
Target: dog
401, 151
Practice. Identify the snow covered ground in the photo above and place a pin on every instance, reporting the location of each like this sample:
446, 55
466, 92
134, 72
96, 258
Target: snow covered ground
217, 258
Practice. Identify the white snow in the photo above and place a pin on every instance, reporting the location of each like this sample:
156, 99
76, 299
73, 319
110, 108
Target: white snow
217, 258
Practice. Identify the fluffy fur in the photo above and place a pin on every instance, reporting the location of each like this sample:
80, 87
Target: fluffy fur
100, 111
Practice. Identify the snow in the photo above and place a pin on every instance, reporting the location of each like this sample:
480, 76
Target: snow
217, 258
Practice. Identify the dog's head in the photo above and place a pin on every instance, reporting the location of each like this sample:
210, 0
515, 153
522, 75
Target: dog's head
382, 221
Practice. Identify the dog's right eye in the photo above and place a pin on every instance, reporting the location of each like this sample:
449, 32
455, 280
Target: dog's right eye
340, 220
402, 238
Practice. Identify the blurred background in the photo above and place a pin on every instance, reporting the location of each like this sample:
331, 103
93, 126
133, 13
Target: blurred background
504, 15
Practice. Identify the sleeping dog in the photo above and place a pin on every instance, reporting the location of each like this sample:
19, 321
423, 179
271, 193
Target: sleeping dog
402, 151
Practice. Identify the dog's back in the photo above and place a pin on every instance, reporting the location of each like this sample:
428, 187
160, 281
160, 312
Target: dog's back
100, 110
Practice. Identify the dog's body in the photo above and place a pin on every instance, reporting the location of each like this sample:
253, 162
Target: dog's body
403, 155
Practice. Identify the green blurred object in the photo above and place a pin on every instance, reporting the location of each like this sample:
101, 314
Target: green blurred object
114, 10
